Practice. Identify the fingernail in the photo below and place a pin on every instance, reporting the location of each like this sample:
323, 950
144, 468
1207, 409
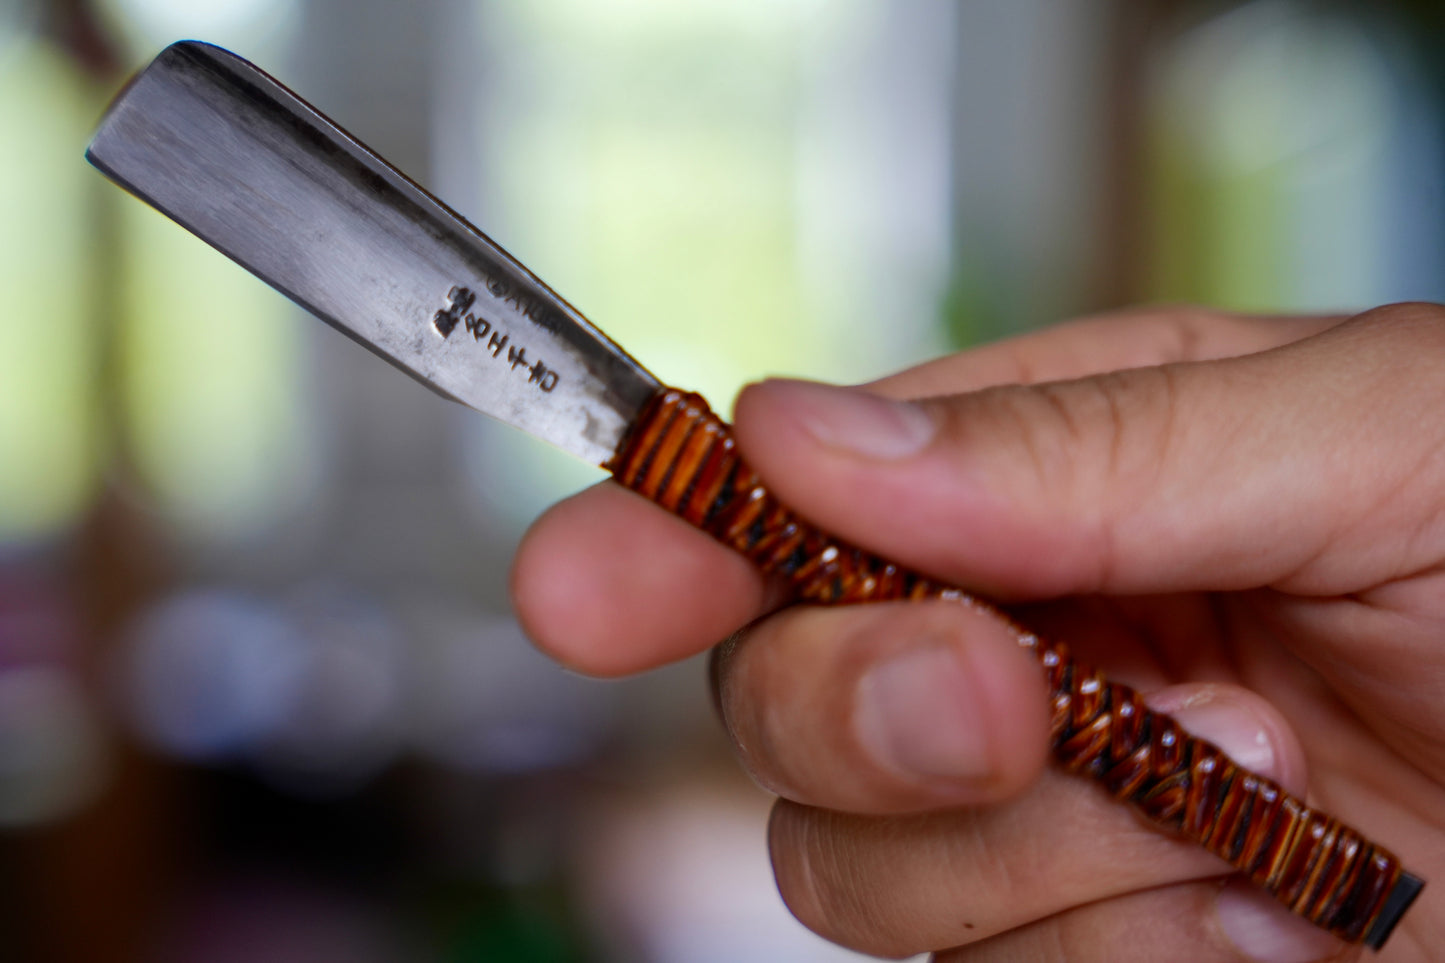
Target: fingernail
854, 420
1210, 715
915, 715
1262, 929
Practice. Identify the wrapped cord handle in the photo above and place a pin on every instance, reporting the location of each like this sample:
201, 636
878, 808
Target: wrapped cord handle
682, 456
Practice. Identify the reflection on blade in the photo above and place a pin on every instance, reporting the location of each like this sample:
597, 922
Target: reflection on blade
242, 162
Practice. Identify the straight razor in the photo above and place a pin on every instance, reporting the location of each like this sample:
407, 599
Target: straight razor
239, 160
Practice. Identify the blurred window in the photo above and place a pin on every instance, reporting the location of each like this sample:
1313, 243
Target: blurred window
49, 343
1294, 162
729, 190
246, 26
213, 393
213, 401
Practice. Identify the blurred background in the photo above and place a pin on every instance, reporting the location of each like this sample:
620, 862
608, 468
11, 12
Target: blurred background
261, 696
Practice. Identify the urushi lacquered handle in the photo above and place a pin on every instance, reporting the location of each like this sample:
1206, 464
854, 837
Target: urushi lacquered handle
682, 456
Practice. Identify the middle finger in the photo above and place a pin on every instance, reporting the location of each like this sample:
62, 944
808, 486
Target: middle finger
903, 884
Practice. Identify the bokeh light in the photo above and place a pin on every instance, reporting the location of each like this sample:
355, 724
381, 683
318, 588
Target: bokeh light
210, 674
51, 754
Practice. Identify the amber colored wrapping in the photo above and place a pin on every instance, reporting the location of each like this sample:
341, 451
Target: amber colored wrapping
682, 456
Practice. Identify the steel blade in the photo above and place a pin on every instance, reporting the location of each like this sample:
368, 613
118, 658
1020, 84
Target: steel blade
242, 162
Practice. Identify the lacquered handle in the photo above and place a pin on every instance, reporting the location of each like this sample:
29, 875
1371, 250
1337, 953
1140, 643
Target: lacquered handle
682, 456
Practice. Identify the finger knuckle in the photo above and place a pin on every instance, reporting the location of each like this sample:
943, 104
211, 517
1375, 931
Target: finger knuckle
1084, 449
1028, 421
1417, 327
825, 886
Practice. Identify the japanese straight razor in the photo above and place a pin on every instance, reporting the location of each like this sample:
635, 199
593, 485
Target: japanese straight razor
242, 162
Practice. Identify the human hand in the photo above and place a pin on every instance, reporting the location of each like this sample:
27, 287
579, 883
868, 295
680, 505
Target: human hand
1237, 518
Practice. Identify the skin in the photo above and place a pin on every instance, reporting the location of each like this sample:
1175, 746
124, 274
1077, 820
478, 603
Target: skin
1241, 517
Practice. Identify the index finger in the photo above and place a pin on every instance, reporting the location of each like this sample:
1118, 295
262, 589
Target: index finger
609, 585
1136, 338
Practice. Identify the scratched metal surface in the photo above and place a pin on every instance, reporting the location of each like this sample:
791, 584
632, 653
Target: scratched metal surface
239, 160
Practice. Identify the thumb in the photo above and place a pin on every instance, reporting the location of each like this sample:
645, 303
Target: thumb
1227, 474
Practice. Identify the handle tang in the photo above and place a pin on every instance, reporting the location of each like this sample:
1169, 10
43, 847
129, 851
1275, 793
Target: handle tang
683, 457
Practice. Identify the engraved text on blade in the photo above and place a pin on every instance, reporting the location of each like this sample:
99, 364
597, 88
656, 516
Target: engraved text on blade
490, 336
